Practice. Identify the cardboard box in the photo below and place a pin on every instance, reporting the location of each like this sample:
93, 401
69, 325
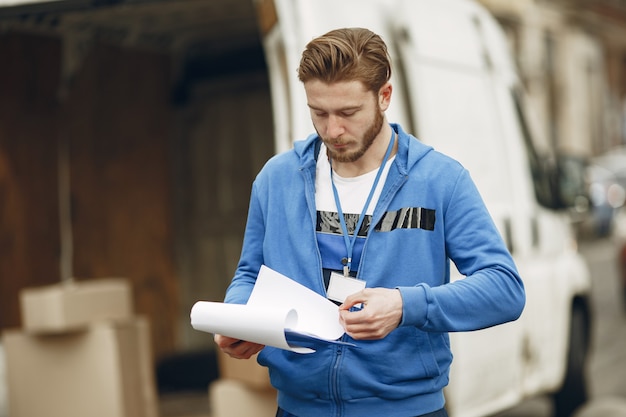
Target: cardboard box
70, 306
103, 371
230, 398
247, 371
3, 385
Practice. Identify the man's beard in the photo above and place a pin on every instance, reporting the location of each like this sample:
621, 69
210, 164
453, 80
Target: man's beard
368, 139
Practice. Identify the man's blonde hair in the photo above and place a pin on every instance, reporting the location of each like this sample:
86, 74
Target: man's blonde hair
349, 54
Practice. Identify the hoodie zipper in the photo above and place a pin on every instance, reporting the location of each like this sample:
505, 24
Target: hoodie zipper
334, 382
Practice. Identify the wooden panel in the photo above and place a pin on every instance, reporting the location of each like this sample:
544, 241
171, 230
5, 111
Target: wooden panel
227, 134
117, 121
29, 228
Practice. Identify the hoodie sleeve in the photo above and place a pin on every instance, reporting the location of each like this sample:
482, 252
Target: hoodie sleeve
251, 258
491, 292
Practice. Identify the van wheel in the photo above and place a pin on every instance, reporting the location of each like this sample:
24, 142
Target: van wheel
573, 392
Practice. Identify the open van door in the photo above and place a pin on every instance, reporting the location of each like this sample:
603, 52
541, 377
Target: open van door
443, 89
457, 76
463, 93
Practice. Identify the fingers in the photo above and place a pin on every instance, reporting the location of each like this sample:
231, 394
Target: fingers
237, 348
381, 313
243, 349
355, 300
363, 324
224, 341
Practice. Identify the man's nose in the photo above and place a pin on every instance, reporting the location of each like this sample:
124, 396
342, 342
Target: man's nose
335, 126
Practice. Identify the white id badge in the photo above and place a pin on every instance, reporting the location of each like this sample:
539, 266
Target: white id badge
341, 286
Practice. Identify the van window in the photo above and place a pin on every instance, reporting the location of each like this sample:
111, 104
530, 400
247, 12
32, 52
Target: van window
539, 168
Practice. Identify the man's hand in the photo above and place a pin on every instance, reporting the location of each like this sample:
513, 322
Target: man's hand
236, 348
381, 313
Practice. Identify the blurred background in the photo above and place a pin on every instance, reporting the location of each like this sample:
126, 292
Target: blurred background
123, 152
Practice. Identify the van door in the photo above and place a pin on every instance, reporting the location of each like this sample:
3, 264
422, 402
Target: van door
443, 92
456, 79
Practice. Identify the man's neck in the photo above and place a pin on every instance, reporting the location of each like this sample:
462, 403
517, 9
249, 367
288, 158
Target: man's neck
372, 159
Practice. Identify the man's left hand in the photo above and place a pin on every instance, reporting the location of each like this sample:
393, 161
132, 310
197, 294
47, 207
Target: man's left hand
381, 313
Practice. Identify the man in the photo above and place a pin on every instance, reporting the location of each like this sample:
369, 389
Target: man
414, 210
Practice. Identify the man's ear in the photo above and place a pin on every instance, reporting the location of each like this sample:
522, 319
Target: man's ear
384, 96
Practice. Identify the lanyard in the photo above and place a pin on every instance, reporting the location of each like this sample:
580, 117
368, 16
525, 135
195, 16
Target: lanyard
346, 237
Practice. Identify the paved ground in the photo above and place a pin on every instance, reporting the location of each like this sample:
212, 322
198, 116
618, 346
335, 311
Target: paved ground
607, 367
606, 407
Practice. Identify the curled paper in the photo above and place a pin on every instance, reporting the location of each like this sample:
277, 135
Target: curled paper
277, 305
255, 324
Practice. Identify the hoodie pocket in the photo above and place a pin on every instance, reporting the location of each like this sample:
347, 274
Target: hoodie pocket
405, 362
304, 376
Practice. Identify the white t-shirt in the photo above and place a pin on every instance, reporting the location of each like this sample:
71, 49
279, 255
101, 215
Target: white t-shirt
352, 191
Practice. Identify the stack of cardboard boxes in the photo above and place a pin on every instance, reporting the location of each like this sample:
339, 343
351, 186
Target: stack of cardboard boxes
243, 389
81, 352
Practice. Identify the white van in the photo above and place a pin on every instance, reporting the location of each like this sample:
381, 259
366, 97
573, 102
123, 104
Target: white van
456, 88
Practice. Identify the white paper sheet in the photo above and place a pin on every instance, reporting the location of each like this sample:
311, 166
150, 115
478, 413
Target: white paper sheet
241, 321
277, 303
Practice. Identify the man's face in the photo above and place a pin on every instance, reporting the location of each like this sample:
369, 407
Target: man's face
346, 116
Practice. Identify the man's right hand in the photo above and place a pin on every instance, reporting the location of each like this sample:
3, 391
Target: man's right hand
237, 348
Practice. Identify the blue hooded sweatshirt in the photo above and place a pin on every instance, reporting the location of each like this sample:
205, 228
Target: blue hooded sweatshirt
429, 213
